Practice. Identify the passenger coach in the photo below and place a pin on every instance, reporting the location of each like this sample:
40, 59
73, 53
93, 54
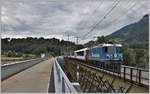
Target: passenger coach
102, 52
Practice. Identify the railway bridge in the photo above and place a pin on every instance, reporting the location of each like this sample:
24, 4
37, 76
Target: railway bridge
70, 75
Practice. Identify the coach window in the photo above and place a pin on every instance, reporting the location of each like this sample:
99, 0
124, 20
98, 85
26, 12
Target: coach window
105, 49
80, 53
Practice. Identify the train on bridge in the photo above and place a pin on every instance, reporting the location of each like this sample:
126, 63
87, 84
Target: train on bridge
105, 56
102, 52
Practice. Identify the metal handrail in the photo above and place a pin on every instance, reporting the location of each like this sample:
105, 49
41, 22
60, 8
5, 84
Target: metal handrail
135, 68
138, 76
62, 83
143, 80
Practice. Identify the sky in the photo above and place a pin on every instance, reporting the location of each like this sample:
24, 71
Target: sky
60, 18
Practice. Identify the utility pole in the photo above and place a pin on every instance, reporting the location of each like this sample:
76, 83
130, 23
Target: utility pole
77, 39
94, 40
68, 37
77, 74
68, 46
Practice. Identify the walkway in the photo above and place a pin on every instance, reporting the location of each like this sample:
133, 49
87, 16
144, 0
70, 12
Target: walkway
34, 79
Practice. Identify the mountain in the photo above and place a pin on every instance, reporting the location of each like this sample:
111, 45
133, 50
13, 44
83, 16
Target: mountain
135, 35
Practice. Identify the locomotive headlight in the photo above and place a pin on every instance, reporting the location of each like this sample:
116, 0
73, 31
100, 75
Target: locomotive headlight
108, 56
115, 55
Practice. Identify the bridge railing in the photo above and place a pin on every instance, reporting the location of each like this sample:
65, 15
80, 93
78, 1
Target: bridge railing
133, 74
62, 83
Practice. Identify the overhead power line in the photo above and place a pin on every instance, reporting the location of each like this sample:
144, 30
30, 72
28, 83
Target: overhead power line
101, 20
94, 10
122, 15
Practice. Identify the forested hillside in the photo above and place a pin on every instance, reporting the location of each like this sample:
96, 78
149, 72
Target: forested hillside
135, 35
37, 46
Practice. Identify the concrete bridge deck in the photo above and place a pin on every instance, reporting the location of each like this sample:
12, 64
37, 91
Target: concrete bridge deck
33, 79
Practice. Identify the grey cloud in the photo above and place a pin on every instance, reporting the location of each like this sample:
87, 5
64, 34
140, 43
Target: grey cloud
52, 18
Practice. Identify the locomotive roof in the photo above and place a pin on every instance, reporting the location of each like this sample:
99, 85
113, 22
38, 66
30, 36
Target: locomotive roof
81, 50
104, 45
100, 45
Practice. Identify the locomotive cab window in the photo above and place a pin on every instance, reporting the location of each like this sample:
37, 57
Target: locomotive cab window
111, 49
80, 53
118, 50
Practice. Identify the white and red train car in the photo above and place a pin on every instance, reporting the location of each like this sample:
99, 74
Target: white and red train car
102, 52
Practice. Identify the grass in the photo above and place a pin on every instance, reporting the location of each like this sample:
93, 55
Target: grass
6, 60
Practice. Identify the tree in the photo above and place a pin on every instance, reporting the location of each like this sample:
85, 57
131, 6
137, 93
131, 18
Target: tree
141, 56
102, 39
36, 46
129, 56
